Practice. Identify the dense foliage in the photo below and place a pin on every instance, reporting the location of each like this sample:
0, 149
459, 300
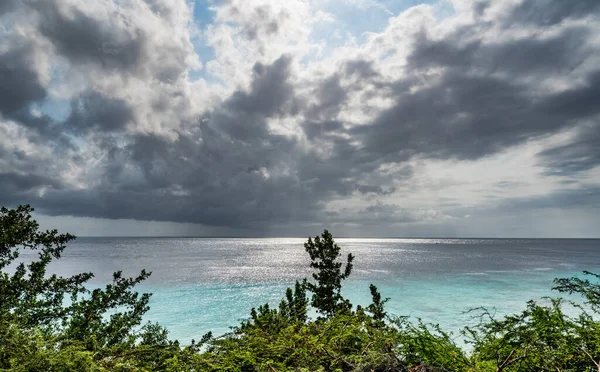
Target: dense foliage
51, 323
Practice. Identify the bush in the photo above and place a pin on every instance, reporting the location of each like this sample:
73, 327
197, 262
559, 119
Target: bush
49, 322
100, 330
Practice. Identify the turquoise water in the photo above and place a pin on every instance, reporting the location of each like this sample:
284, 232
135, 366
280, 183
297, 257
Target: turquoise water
202, 285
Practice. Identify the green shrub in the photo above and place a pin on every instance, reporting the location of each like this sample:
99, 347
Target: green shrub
51, 323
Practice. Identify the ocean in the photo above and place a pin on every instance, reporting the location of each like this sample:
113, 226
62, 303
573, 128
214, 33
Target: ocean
202, 284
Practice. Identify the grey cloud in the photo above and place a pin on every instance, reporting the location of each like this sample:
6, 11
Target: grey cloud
447, 53
391, 214
7, 6
550, 12
229, 168
232, 167
19, 81
185, 182
579, 155
112, 41
82, 38
266, 26
480, 7
26, 182
92, 110
461, 117
47, 131
229, 171
330, 96
469, 110
314, 129
270, 89
321, 116
225, 207
557, 54
161, 7
23, 187
581, 197
376, 190
509, 184
361, 69
263, 21
575, 103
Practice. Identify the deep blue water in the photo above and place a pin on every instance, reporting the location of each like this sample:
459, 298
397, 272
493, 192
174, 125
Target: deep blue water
211, 284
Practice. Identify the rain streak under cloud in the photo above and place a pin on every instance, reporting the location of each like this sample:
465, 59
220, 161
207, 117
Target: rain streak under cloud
281, 118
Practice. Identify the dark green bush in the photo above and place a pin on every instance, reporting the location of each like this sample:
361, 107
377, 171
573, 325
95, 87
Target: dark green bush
51, 323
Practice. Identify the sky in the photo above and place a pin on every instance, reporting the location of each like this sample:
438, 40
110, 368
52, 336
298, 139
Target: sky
389, 118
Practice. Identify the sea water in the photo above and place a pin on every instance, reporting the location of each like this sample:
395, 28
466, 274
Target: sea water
202, 285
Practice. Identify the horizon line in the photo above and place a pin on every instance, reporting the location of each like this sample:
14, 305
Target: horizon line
304, 237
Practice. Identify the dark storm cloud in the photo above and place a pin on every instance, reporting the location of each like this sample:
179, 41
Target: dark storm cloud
375, 190
214, 185
93, 111
576, 103
314, 129
26, 182
556, 54
85, 39
44, 131
330, 96
212, 206
386, 213
362, 69
579, 155
581, 197
444, 53
480, 7
471, 109
550, 12
462, 117
226, 174
461, 96
269, 92
114, 41
19, 81
7, 6
23, 187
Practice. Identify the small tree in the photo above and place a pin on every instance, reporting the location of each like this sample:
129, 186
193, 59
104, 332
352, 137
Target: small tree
294, 306
324, 253
377, 307
30, 298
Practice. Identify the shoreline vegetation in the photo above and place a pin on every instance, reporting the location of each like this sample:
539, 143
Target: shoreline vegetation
52, 323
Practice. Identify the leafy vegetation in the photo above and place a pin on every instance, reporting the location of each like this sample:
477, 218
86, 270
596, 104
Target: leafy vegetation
51, 323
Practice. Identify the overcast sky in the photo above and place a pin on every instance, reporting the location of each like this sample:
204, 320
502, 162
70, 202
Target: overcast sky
281, 118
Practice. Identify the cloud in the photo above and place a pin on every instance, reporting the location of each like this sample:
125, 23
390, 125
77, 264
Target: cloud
105, 39
392, 214
269, 91
285, 129
19, 81
93, 111
582, 197
548, 12
579, 155
26, 184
